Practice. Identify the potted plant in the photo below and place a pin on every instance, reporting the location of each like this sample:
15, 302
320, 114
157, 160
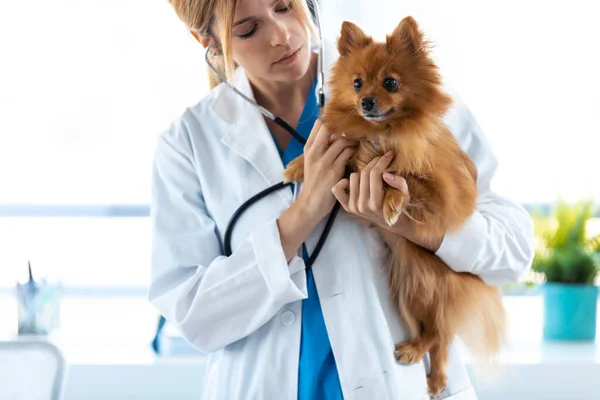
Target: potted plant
569, 261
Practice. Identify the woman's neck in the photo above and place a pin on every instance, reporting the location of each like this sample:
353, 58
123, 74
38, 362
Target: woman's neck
284, 97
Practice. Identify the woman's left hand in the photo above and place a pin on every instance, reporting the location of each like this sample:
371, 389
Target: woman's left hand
362, 194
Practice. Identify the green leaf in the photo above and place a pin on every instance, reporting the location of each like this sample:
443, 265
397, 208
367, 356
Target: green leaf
563, 252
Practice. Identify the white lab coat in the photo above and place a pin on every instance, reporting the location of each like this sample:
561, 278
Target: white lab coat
245, 310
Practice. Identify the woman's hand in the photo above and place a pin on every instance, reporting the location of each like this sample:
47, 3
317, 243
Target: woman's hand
363, 195
324, 166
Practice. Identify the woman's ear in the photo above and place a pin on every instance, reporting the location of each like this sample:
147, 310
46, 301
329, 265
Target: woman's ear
205, 41
202, 39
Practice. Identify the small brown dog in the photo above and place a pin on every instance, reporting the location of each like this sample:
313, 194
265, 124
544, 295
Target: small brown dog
388, 96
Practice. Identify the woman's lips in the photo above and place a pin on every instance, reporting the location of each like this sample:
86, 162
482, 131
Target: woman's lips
290, 59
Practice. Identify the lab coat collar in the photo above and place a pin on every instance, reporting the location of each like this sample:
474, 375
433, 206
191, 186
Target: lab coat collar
249, 135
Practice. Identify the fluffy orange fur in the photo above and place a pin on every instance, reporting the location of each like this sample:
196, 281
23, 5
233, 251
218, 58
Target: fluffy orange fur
436, 302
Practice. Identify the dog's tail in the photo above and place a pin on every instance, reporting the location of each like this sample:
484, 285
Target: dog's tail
482, 322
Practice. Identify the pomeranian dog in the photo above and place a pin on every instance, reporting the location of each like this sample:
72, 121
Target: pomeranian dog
389, 96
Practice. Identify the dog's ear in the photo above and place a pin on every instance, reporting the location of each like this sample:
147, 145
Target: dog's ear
407, 35
352, 38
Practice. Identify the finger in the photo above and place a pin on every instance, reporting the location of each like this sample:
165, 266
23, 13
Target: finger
340, 193
353, 189
384, 161
342, 160
365, 186
319, 145
313, 133
376, 194
371, 164
364, 192
397, 182
336, 148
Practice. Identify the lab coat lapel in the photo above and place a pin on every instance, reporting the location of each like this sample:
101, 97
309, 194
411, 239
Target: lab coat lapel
249, 136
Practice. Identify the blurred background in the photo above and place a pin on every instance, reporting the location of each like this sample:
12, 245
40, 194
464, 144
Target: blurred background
87, 85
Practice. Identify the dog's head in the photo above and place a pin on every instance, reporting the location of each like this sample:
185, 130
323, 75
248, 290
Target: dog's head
377, 85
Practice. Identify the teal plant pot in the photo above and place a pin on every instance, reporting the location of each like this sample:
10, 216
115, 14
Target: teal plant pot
570, 311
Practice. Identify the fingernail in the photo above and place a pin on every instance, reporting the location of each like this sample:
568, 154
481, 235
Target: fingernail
388, 154
388, 176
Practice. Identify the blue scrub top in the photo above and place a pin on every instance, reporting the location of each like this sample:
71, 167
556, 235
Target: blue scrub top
317, 373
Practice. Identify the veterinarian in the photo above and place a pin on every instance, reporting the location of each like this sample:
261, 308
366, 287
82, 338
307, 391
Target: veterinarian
271, 328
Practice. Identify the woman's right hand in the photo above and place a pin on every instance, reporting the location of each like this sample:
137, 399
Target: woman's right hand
324, 166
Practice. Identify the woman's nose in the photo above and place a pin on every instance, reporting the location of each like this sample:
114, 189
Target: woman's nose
281, 34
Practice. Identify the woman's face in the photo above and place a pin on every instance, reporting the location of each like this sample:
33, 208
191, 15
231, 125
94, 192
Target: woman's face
268, 42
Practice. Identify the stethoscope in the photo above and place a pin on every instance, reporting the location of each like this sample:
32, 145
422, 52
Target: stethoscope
321, 101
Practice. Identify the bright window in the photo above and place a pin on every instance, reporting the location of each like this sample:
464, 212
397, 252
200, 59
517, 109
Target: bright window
87, 88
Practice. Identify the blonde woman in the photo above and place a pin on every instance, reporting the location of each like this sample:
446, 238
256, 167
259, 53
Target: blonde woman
271, 328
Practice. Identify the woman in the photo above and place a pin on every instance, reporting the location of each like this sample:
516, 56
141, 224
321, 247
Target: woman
273, 330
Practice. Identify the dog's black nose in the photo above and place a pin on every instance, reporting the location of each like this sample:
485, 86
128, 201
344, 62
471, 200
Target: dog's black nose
368, 103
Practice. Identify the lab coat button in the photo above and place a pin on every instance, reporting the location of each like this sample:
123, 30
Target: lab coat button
288, 318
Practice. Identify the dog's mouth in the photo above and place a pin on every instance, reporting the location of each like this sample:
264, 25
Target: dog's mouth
377, 117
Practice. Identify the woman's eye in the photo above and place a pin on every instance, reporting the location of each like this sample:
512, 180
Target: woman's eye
283, 9
249, 33
358, 84
390, 84
287, 7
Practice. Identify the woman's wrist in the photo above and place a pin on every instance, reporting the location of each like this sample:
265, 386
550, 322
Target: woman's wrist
295, 224
311, 210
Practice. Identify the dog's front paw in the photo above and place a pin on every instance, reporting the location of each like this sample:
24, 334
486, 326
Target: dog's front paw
408, 352
392, 205
294, 171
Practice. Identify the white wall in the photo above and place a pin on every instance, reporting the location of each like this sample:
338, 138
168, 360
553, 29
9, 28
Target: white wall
529, 71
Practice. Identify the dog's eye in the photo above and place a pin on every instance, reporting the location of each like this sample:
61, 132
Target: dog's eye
357, 84
390, 84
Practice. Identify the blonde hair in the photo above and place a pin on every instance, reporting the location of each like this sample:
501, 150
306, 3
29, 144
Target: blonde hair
198, 16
